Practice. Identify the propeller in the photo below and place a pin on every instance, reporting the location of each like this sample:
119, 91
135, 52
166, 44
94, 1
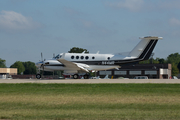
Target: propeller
42, 65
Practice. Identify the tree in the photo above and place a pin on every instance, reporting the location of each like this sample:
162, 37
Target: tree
150, 61
77, 50
174, 58
19, 65
178, 66
161, 60
175, 70
2, 63
30, 68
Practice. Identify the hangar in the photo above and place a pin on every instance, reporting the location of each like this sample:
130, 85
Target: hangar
6, 72
153, 71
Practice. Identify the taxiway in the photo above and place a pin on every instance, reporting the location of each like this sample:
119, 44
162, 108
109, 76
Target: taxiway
89, 81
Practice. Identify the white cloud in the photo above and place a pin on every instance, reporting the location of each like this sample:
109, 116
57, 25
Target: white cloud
71, 11
132, 5
173, 4
12, 21
174, 21
87, 24
137, 5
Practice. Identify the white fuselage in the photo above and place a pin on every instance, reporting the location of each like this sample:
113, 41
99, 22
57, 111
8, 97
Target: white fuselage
92, 62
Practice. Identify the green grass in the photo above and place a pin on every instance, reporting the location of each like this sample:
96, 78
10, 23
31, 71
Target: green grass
90, 101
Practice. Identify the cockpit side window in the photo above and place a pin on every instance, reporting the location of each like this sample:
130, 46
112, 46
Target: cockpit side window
58, 56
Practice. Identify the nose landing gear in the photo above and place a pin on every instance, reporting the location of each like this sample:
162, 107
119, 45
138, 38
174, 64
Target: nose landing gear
38, 76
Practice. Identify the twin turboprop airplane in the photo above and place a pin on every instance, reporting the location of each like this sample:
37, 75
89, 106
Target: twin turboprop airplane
81, 63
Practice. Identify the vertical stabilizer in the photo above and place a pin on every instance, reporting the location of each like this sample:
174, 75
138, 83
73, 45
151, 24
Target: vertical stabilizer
144, 48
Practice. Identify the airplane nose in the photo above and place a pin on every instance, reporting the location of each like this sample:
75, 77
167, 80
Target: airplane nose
38, 64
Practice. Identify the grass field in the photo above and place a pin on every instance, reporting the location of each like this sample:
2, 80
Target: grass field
90, 101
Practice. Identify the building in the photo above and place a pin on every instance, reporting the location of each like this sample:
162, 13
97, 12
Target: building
153, 71
6, 72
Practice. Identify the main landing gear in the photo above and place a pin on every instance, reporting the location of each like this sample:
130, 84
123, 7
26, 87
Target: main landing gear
76, 76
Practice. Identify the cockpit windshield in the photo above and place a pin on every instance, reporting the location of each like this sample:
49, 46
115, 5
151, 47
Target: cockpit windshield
58, 56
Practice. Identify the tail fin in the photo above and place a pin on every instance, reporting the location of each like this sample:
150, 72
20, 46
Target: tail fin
144, 48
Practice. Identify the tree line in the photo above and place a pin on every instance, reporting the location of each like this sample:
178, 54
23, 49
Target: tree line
23, 67
30, 68
173, 59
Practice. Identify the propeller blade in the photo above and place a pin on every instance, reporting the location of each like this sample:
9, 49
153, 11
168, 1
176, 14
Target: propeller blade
41, 56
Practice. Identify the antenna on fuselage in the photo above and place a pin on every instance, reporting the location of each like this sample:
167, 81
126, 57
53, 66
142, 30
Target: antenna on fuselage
97, 52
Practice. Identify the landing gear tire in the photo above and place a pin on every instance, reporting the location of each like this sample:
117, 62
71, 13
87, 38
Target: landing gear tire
75, 76
86, 76
38, 76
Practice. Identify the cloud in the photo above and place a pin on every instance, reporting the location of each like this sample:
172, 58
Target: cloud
71, 11
132, 5
87, 24
139, 5
82, 22
13, 21
93, 29
174, 21
173, 4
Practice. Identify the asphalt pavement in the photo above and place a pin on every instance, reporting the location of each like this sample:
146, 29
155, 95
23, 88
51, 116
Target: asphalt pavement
89, 81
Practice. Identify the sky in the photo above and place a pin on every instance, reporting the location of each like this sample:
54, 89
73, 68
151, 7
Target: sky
29, 27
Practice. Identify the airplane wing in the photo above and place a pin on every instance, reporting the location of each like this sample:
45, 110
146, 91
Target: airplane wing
74, 66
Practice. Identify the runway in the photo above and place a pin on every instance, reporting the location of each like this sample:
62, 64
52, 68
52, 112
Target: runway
91, 81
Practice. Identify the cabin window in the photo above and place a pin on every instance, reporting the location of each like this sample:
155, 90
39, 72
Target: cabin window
72, 57
87, 57
108, 58
93, 57
77, 57
82, 57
